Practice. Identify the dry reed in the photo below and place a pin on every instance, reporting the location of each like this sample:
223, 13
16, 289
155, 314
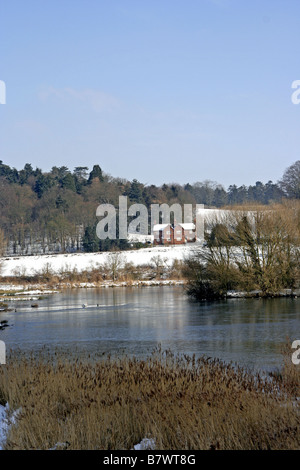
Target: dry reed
180, 401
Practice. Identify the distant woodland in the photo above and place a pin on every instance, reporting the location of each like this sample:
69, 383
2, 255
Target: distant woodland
51, 212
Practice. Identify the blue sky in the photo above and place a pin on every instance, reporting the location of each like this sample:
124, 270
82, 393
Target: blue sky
157, 90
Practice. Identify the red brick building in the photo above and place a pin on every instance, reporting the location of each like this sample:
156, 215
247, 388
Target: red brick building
178, 234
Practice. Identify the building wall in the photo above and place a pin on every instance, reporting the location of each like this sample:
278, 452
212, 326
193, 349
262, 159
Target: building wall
173, 236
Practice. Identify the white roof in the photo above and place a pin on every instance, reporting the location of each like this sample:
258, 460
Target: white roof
190, 226
158, 227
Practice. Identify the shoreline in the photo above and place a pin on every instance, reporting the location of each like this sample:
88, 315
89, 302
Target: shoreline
15, 291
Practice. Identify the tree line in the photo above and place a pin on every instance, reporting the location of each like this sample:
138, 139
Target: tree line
55, 211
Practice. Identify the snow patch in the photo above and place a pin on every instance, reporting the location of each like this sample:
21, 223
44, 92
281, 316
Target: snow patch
3, 424
6, 422
145, 444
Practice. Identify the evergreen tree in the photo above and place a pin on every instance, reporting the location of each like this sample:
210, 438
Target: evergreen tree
220, 197
68, 182
25, 173
80, 177
90, 241
42, 184
96, 173
136, 192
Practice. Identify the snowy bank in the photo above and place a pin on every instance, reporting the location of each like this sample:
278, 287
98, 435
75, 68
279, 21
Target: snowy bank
30, 265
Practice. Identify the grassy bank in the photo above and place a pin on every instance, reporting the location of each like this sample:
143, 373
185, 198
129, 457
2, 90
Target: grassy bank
180, 402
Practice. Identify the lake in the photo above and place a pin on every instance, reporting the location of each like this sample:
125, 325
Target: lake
136, 320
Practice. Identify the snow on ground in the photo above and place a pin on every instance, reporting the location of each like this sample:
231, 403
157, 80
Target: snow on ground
145, 444
6, 422
3, 425
30, 265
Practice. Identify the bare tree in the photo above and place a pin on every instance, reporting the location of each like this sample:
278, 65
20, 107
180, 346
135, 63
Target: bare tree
159, 264
257, 249
290, 182
115, 262
3, 243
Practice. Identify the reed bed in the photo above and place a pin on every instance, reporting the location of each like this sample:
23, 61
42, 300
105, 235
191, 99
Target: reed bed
181, 402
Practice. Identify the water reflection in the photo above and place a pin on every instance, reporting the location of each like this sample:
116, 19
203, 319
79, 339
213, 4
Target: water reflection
136, 320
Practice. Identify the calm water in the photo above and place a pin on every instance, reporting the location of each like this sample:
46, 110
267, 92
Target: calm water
136, 320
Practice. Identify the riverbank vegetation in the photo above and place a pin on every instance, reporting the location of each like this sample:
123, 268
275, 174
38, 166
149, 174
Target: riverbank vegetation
116, 270
178, 402
251, 248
